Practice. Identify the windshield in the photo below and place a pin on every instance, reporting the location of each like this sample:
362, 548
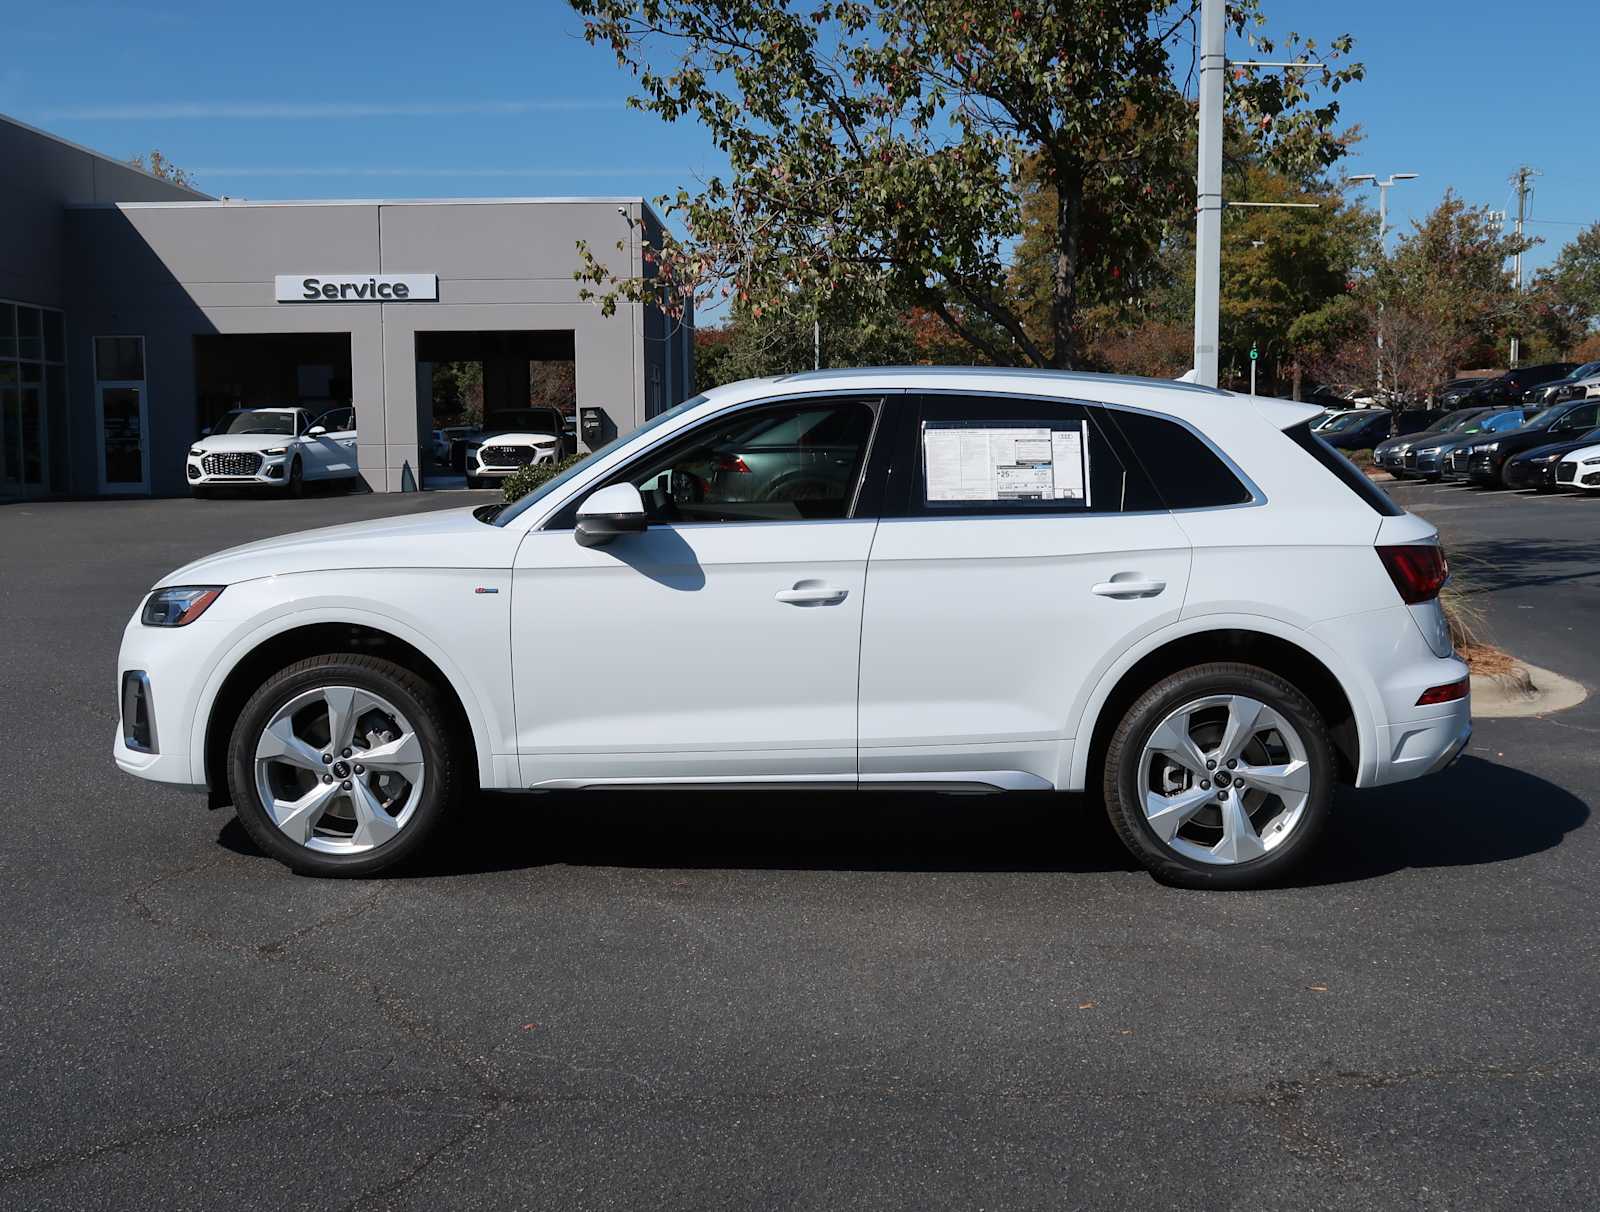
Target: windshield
521, 505
1466, 420
251, 420
1348, 421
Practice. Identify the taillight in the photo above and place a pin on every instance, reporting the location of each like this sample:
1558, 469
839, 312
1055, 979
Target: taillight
1448, 693
1418, 570
734, 464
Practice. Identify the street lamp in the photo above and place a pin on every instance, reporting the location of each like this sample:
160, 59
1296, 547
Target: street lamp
1383, 228
1383, 196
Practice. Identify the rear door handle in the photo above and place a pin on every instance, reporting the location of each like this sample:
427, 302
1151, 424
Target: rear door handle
812, 593
1129, 585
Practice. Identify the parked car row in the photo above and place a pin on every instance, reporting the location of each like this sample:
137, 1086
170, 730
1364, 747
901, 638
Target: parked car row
1528, 455
1509, 388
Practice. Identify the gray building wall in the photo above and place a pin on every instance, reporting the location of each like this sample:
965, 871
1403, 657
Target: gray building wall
44, 175
171, 272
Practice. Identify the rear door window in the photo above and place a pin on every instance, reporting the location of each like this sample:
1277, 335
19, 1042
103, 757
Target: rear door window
970, 455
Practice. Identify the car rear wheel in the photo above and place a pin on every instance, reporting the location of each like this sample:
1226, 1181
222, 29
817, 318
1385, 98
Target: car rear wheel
1220, 776
342, 765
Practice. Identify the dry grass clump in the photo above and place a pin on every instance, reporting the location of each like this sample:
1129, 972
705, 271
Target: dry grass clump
1469, 633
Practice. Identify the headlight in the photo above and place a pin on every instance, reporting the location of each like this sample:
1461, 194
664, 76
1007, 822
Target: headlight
1545, 459
276, 450
1486, 448
1422, 450
179, 605
196, 452
1591, 462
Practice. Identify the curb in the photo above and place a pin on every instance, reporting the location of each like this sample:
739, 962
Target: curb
1498, 698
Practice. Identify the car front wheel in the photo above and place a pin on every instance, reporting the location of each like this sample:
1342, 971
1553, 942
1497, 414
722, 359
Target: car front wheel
342, 765
1220, 776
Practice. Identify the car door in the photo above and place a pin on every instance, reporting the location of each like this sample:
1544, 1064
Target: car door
721, 644
1020, 554
332, 453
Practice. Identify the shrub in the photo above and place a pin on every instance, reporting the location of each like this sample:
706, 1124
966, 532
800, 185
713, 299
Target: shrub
521, 483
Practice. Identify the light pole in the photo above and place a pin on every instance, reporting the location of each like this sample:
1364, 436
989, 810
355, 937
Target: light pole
1383, 230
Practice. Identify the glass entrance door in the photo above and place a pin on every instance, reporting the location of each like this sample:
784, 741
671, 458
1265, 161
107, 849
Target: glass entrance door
124, 447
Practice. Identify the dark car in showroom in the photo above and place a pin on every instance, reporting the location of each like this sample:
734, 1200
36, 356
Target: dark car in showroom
1390, 454
1536, 468
1450, 395
1486, 461
1508, 388
1556, 390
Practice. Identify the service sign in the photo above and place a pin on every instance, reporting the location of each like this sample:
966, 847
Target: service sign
356, 288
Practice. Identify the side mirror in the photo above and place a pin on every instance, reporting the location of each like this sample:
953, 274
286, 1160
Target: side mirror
316, 431
206, 432
615, 510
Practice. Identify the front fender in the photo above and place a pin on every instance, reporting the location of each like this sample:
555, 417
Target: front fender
480, 676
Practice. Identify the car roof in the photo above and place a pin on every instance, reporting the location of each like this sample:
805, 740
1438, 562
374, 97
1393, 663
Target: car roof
1167, 396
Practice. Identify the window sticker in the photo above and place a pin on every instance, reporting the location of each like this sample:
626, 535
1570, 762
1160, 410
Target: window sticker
1045, 463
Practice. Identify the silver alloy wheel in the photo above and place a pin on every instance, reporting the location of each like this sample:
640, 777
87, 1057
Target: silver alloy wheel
1225, 779
339, 769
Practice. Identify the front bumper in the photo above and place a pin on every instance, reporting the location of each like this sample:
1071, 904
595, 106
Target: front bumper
1530, 475
1484, 469
270, 471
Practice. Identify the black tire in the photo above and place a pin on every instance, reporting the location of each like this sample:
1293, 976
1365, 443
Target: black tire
418, 700
1123, 777
296, 486
474, 482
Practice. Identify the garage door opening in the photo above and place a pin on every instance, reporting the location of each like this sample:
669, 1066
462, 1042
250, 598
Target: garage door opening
473, 383
262, 370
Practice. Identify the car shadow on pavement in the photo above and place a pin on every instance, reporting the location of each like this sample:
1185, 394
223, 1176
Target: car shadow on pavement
1475, 813
1487, 566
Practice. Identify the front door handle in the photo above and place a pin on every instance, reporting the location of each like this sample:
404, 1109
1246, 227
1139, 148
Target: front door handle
1129, 585
812, 593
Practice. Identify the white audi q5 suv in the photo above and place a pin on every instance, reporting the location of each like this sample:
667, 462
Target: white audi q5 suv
932, 579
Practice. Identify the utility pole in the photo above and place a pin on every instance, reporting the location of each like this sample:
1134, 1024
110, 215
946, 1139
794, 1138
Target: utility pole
1208, 203
1523, 180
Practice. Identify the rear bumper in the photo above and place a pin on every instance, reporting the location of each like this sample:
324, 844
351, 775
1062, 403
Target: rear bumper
1424, 746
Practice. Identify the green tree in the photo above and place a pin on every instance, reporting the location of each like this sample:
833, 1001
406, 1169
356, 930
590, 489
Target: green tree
879, 146
1442, 300
1567, 293
157, 165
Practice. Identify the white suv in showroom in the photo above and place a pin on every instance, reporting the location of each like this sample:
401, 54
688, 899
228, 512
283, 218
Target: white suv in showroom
940, 580
517, 438
278, 448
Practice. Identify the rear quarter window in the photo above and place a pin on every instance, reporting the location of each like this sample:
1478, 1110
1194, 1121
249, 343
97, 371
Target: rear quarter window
1347, 472
1184, 471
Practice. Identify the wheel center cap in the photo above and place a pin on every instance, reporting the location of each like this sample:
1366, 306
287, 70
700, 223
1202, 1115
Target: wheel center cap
1222, 778
341, 770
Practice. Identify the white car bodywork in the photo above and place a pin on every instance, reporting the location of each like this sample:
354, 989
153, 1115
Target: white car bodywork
324, 446
1581, 469
947, 652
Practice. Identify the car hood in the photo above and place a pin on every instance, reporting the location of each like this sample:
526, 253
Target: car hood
241, 441
515, 435
1555, 448
1514, 435
1590, 451
445, 538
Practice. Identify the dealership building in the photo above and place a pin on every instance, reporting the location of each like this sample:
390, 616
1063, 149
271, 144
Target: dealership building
135, 312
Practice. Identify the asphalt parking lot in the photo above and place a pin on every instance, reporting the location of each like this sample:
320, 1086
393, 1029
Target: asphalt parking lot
799, 1001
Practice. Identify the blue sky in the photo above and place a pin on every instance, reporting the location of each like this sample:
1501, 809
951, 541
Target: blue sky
400, 99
